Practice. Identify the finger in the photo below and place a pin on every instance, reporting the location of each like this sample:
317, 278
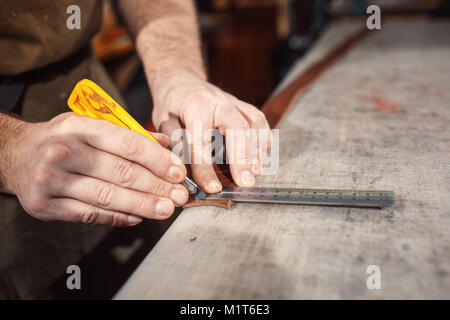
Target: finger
114, 198
254, 152
239, 158
132, 146
168, 127
70, 210
199, 137
161, 138
172, 128
116, 170
258, 121
205, 176
239, 148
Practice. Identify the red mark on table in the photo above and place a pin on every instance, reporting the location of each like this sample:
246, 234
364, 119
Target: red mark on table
382, 104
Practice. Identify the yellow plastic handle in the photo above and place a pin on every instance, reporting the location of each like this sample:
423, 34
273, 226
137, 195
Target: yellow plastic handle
88, 99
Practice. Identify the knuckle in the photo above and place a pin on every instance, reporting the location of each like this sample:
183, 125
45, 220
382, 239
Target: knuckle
130, 144
105, 195
116, 219
203, 172
91, 216
67, 122
161, 188
62, 116
125, 172
258, 117
237, 121
144, 205
202, 96
163, 158
236, 124
55, 152
242, 124
229, 110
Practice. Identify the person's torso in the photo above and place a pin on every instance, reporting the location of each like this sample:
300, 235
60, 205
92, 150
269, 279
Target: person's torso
35, 33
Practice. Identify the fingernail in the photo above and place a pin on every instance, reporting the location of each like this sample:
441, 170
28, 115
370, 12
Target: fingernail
178, 195
213, 186
134, 219
247, 179
163, 207
175, 173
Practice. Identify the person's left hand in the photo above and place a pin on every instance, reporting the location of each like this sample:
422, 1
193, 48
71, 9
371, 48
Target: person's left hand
191, 100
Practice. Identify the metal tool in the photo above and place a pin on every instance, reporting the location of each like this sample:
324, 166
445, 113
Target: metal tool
324, 197
194, 189
88, 99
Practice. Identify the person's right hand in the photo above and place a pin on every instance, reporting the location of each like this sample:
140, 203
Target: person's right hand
78, 169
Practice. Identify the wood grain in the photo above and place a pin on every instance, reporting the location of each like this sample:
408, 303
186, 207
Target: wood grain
333, 137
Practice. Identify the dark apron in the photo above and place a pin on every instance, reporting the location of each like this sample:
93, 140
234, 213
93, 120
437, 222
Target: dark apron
33, 253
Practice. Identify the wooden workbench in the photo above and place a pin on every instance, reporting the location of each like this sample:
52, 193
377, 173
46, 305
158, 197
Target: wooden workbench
377, 119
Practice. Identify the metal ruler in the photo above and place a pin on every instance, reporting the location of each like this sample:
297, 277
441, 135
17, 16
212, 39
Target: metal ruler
323, 197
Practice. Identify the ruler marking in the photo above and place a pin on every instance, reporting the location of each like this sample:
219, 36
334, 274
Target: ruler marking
360, 198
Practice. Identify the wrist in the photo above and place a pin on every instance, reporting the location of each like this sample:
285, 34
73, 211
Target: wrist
11, 150
168, 55
162, 87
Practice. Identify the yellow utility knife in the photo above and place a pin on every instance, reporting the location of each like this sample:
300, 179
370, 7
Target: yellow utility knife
88, 99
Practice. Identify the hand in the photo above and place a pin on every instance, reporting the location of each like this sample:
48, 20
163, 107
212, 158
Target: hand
193, 100
78, 169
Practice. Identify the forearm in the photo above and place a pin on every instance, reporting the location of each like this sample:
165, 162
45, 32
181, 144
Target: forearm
10, 129
167, 39
168, 42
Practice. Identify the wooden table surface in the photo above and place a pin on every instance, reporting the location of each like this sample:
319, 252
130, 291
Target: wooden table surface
378, 119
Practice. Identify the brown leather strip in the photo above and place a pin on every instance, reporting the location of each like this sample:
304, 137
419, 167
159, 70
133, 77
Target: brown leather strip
224, 175
216, 203
278, 106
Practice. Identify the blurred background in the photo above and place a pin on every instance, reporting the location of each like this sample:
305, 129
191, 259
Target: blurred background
248, 46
